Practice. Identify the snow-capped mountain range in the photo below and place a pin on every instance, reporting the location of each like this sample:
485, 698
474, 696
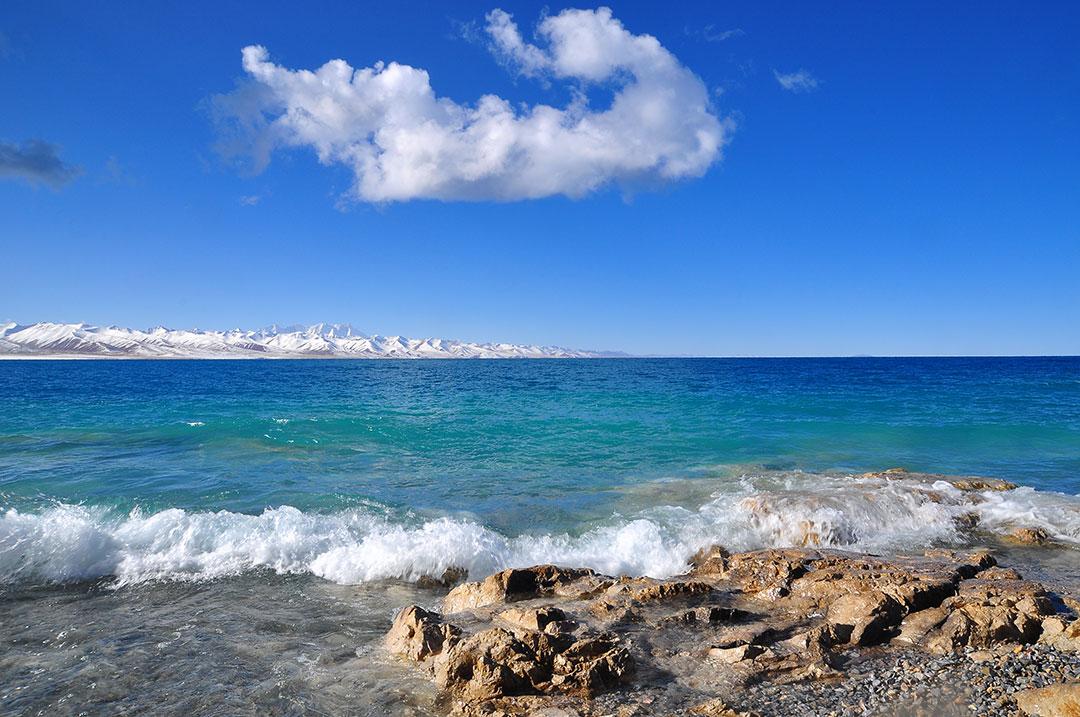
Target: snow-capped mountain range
45, 339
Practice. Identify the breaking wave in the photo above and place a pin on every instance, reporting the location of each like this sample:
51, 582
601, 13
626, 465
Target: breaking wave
67, 543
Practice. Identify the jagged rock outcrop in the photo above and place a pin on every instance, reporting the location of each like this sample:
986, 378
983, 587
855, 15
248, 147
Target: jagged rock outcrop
552, 633
542, 656
419, 634
985, 613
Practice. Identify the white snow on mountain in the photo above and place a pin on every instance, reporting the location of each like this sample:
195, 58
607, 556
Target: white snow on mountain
45, 340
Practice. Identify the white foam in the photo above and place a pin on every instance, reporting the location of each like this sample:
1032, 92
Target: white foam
68, 542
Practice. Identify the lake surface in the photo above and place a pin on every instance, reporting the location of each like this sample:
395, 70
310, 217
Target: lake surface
246, 528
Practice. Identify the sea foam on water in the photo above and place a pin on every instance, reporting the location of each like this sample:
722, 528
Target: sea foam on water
66, 543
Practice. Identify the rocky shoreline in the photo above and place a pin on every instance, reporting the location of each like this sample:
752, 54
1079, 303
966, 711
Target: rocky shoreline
771, 632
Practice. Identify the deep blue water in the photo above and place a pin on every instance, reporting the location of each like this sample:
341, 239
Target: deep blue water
500, 440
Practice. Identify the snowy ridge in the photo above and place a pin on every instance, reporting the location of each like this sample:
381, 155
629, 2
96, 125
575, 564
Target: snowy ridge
43, 340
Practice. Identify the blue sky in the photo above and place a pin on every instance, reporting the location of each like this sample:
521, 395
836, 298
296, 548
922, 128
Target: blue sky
922, 198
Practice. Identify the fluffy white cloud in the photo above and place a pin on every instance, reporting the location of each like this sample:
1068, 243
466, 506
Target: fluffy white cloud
801, 81
404, 142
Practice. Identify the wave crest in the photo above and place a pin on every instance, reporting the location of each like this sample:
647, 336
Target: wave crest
67, 543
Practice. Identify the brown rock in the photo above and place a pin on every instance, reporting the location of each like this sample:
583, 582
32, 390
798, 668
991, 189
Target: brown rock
498, 663
915, 585
1000, 574
764, 569
989, 612
966, 564
709, 561
451, 576
976, 483
966, 522
561, 627
1052, 628
705, 615
868, 618
668, 590
917, 625
533, 618
1054, 701
592, 664
545, 645
805, 656
1061, 635
613, 611
510, 585
887, 473
419, 634
583, 587
733, 636
816, 641
490, 664
1029, 536
731, 655
716, 708
533, 655
965, 483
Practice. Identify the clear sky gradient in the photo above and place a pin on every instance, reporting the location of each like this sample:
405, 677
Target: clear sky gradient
911, 187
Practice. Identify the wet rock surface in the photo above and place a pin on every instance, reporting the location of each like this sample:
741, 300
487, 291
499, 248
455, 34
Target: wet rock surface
772, 632
965, 483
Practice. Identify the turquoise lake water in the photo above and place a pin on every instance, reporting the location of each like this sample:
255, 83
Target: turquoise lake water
233, 537
310, 457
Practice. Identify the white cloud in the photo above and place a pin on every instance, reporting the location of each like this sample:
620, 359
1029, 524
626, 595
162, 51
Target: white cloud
402, 141
800, 81
709, 33
250, 200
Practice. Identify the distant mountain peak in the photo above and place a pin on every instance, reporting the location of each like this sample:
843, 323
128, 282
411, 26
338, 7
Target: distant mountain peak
324, 340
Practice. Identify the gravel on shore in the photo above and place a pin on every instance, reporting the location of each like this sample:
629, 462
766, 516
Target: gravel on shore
917, 684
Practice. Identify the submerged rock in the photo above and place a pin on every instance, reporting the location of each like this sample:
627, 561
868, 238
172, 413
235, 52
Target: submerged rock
1028, 536
973, 483
964, 483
